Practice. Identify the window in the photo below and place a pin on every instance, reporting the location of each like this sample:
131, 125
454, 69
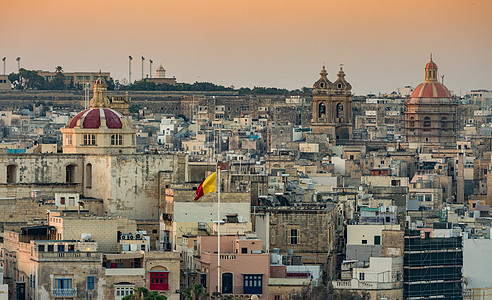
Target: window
412, 123
63, 287
69, 140
40, 248
159, 280
88, 176
11, 174
116, 140
203, 279
90, 282
61, 248
227, 283
51, 248
361, 276
71, 248
293, 236
321, 110
244, 250
364, 242
89, 139
443, 122
62, 200
377, 240
70, 173
427, 123
142, 247
340, 111
253, 284
122, 290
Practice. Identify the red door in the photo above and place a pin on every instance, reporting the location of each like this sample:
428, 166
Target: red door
159, 280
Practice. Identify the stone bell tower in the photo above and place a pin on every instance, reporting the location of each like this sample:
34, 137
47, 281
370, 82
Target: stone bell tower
332, 107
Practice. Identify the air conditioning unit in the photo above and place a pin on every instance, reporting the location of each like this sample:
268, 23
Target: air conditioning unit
138, 236
130, 236
124, 237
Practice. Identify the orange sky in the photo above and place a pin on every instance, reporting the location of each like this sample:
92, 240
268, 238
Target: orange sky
383, 44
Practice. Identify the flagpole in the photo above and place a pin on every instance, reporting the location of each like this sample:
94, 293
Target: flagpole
218, 232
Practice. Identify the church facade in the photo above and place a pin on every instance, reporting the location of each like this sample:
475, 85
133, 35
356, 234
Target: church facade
332, 107
430, 112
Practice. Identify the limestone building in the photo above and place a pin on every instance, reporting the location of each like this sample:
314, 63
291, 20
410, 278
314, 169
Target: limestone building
332, 107
99, 129
161, 77
99, 161
430, 112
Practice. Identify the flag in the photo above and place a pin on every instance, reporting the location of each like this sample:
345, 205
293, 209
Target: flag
207, 186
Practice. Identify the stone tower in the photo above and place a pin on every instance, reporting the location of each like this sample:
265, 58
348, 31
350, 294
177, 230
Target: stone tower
430, 112
332, 107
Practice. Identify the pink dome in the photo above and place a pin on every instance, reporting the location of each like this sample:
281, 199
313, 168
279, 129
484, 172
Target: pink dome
91, 118
431, 90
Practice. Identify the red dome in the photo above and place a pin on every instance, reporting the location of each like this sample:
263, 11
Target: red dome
91, 118
431, 65
431, 90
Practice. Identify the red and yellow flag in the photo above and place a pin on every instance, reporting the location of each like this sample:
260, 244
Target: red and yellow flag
207, 186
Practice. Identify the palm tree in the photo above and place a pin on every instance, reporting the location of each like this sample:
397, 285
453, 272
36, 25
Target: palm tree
195, 292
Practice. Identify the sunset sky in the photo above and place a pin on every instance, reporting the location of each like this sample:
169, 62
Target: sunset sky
382, 44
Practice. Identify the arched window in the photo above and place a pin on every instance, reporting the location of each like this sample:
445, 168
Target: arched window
412, 123
88, 176
427, 123
322, 110
11, 174
227, 283
70, 173
340, 110
444, 122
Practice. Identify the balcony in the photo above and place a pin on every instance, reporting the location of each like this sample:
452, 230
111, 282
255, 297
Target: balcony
64, 292
125, 272
67, 256
365, 285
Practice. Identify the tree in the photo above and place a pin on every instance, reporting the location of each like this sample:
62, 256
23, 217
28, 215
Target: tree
15, 79
195, 292
58, 82
142, 293
31, 79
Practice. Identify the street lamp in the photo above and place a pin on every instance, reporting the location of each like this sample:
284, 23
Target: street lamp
143, 59
130, 69
150, 68
18, 63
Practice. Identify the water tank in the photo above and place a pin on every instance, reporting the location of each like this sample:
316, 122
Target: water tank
85, 237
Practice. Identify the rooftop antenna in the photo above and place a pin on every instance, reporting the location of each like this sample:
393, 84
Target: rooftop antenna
143, 59
150, 68
130, 69
4, 59
442, 79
